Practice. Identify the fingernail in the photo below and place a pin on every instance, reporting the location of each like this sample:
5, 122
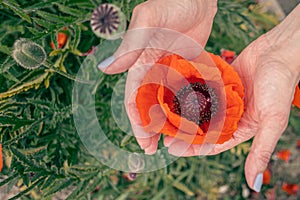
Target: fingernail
150, 151
258, 182
105, 63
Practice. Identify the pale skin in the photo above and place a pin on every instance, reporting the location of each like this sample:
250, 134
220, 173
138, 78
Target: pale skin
269, 68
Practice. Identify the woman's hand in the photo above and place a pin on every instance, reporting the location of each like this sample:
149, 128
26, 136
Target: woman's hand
156, 27
193, 18
270, 70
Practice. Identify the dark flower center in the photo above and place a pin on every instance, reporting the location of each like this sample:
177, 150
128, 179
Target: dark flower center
105, 18
196, 102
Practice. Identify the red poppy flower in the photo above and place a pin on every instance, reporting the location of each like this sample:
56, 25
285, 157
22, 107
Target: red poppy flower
267, 177
284, 155
1, 159
228, 55
188, 102
61, 40
290, 188
296, 100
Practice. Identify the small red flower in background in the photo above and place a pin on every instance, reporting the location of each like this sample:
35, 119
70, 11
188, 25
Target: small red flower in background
296, 100
1, 159
267, 177
228, 55
298, 144
61, 40
284, 155
290, 188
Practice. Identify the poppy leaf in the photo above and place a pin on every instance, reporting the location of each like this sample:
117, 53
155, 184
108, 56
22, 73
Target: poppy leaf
16, 9
69, 11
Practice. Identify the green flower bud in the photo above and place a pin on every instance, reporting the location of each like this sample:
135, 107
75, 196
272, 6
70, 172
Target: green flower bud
28, 54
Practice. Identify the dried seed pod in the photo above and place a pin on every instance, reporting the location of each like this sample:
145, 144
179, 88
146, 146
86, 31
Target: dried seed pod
196, 102
108, 21
28, 54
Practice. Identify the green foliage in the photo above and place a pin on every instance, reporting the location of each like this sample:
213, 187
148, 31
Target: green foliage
236, 24
40, 143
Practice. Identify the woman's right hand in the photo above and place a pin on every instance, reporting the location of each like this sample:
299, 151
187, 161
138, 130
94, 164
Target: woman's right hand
157, 27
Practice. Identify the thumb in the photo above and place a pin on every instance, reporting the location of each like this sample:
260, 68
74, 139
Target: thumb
146, 45
134, 41
262, 148
132, 46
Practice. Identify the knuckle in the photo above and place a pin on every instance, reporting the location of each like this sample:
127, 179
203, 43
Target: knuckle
265, 156
262, 157
142, 13
138, 9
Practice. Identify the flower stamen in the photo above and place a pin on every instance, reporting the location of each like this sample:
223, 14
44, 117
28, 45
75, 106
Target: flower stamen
196, 102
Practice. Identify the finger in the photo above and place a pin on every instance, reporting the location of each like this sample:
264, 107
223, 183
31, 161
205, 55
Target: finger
146, 136
183, 149
152, 145
148, 140
180, 148
168, 140
247, 128
127, 54
262, 147
131, 46
147, 45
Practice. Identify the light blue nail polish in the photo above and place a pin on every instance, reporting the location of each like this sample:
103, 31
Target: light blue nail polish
258, 182
105, 63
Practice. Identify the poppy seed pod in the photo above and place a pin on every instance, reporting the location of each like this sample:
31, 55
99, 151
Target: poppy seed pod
28, 54
108, 21
196, 102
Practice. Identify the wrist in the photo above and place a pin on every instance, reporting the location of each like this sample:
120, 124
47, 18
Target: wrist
210, 7
283, 40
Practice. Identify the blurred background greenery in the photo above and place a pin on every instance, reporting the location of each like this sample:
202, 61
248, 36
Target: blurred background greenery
43, 155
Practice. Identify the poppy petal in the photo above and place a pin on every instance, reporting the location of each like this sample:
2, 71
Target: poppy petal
234, 110
181, 72
229, 76
145, 99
